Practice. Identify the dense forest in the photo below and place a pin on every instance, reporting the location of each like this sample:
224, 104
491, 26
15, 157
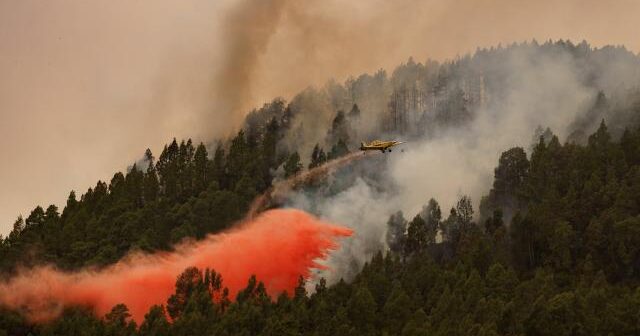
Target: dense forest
552, 249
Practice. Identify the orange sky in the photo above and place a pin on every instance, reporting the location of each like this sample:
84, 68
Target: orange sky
87, 86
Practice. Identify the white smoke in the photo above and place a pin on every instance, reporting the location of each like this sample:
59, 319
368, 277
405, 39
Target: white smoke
540, 89
360, 208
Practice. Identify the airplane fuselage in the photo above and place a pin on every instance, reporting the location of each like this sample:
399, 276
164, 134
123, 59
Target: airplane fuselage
382, 146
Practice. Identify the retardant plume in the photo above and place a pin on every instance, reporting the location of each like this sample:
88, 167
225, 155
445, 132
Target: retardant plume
278, 246
280, 189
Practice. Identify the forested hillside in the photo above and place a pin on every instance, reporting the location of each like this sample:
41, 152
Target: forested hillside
553, 248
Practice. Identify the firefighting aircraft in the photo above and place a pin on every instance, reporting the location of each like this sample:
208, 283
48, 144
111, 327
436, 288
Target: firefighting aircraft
382, 146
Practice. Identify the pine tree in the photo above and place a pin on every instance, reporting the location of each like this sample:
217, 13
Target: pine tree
397, 309
218, 170
118, 323
155, 323
151, 185
238, 159
432, 215
318, 157
293, 165
362, 310
201, 164
186, 284
416, 236
36, 218
338, 150
396, 228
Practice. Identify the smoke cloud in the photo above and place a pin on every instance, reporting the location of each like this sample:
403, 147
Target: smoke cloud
87, 86
543, 90
536, 87
278, 247
248, 30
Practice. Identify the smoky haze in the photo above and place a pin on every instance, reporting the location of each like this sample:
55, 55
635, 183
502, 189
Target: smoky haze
87, 86
530, 85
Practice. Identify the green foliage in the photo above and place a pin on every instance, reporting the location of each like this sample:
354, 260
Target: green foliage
508, 183
155, 323
417, 235
554, 252
396, 227
338, 150
318, 157
567, 263
184, 194
74, 321
117, 322
293, 165
341, 127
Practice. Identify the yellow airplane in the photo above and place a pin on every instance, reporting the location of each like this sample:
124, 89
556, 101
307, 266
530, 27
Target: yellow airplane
379, 145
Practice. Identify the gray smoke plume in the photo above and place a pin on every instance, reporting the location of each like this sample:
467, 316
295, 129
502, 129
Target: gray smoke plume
95, 83
527, 86
247, 31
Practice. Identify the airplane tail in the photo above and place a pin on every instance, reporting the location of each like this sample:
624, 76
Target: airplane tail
362, 145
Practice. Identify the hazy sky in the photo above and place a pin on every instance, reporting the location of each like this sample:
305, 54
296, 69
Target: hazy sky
87, 86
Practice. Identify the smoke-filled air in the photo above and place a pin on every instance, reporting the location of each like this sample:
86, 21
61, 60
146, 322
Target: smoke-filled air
320, 168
